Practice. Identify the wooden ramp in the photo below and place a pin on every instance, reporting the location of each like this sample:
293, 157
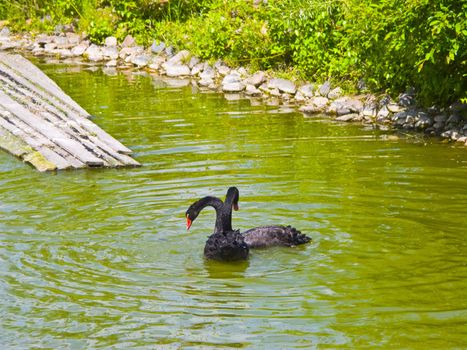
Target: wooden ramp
43, 126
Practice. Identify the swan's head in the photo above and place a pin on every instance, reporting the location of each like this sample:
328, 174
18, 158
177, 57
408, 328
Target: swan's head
191, 214
233, 195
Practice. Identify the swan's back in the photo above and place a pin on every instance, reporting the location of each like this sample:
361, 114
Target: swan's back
227, 246
278, 235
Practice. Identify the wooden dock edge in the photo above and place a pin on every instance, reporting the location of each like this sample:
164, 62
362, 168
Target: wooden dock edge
43, 126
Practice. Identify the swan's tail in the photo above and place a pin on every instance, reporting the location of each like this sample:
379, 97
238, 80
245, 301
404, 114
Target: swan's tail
295, 237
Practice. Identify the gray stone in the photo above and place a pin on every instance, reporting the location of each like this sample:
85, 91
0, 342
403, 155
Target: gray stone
207, 73
128, 41
394, 108
169, 50
233, 87
231, 78
94, 53
111, 63
383, 112
335, 93
345, 105
325, 88
347, 117
180, 58
283, 85
49, 47
5, 32
110, 41
406, 99
177, 70
141, 60
79, 49
156, 62
157, 48
73, 38
251, 90
223, 70
110, 52
206, 82
316, 104
307, 90
256, 79
440, 118
193, 62
197, 69
299, 97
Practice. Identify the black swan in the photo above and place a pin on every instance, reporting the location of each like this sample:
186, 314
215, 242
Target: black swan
267, 236
224, 244
229, 244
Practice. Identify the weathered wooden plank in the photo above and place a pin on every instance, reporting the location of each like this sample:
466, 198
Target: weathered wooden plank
49, 130
32, 94
36, 145
37, 77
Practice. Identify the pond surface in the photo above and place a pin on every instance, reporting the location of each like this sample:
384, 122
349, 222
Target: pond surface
101, 258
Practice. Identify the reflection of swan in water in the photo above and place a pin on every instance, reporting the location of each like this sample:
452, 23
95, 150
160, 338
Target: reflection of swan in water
228, 244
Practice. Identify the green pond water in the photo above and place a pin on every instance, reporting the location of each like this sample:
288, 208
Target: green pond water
101, 258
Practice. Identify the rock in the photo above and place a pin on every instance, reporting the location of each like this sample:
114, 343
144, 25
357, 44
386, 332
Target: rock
157, 48
177, 70
79, 49
141, 60
128, 41
251, 90
156, 62
335, 93
283, 85
49, 47
299, 97
316, 104
207, 73
233, 87
110, 41
73, 38
111, 63
62, 42
347, 117
394, 108
5, 32
94, 53
383, 113
231, 78
206, 81
440, 118
345, 105
169, 50
130, 51
407, 99
197, 69
180, 58
223, 70
110, 52
256, 79
193, 62
307, 90
325, 88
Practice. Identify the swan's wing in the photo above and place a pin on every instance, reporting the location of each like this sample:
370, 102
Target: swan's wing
265, 236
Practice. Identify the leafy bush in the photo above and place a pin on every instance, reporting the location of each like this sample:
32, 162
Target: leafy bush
391, 44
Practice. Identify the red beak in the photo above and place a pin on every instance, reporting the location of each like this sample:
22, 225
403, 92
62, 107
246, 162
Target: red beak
235, 206
188, 223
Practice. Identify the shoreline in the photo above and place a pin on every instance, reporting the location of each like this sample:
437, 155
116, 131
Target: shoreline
308, 98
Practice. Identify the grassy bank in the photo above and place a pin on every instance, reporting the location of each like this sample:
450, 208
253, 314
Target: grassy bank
390, 44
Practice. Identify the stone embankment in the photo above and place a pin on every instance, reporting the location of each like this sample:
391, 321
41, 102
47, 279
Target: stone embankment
309, 98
